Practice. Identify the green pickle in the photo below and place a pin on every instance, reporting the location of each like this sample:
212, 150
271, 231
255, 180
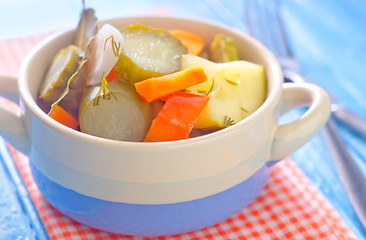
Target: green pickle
223, 49
63, 66
120, 115
148, 52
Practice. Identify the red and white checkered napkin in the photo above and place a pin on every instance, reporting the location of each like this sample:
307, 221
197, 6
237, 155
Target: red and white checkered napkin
289, 207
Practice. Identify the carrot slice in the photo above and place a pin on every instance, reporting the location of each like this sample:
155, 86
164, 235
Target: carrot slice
155, 88
177, 118
179, 93
193, 42
63, 117
112, 75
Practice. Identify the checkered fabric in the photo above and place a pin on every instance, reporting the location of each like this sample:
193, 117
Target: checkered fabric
289, 207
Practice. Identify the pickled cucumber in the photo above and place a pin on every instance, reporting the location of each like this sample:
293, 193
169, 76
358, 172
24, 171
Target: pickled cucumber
70, 98
148, 52
63, 66
65, 79
223, 49
121, 116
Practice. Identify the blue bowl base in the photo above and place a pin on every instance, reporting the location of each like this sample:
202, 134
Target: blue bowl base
151, 220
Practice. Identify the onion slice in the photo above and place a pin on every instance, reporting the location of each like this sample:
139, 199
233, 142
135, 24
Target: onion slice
102, 53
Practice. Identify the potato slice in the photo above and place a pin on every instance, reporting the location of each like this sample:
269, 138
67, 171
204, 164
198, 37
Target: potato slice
119, 116
147, 53
236, 90
223, 49
63, 66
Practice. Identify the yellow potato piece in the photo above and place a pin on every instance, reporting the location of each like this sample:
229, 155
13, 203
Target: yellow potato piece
236, 90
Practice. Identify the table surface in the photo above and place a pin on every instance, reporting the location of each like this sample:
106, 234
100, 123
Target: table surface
326, 37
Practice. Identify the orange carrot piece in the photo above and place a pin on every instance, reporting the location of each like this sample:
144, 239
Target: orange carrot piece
111, 75
179, 93
155, 88
63, 117
193, 42
177, 118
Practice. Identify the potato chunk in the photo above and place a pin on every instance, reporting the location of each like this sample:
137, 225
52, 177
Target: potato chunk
236, 90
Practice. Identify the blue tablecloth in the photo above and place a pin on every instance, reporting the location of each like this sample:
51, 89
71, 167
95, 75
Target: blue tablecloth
327, 37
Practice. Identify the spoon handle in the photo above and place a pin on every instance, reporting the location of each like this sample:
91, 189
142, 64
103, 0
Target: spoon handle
350, 119
349, 172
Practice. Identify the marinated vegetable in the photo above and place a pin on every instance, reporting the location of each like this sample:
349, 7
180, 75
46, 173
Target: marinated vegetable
70, 98
63, 66
122, 116
100, 57
102, 53
223, 49
236, 89
64, 81
177, 118
144, 84
63, 117
155, 88
193, 42
147, 53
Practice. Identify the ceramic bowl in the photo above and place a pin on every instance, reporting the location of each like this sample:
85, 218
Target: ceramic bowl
152, 189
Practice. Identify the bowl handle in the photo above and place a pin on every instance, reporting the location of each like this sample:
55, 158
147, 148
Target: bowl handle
290, 136
12, 124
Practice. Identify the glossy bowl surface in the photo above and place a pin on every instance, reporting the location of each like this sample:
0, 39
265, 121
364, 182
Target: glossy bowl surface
162, 188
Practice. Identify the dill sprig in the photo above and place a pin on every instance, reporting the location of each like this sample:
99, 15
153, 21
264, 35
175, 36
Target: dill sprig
231, 82
202, 92
115, 47
104, 90
228, 121
212, 85
244, 110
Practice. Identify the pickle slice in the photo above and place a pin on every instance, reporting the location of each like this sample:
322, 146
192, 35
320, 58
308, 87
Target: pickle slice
223, 49
119, 116
148, 52
71, 96
63, 66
